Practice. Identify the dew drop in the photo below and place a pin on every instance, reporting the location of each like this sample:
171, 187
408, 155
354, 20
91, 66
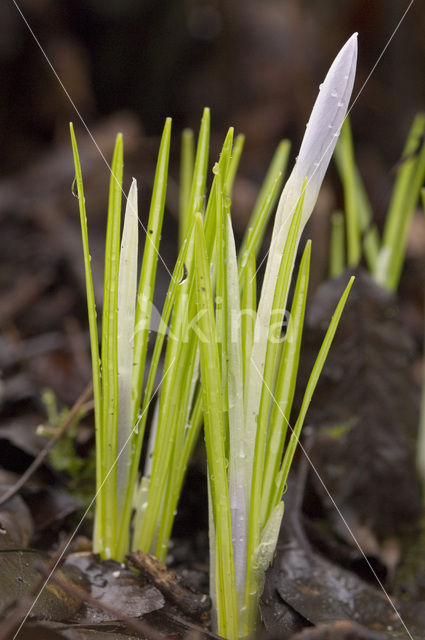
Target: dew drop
340, 103
320, 86
74, 190
334, 94
184, 277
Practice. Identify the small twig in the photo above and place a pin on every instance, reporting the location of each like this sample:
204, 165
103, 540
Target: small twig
155, 572
45, 451
139, 626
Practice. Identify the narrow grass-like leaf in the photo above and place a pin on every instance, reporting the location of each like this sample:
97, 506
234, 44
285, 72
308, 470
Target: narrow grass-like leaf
181, 457
162, 330
176, 394
142, 324
257, 230
109, 348
186, 177
271, 185
311, 385
175, 405
356, 199
284, 389
149, 267
405, 195
177, 411
94, 346
248, 311
197, 194
347, 168
221, 167
272, 339
263, 554
337, 246
175, 385
234, 164
256, 440
227, 616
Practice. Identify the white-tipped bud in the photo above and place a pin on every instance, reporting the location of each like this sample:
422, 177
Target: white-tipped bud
316, 150
321, 136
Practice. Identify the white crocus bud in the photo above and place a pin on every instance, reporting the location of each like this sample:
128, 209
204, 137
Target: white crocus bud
321, 136
316, 150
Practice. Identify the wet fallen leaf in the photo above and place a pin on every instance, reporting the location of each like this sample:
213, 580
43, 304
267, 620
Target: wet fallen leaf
18, 576
113, 584
339, 631
303, 582
60, 631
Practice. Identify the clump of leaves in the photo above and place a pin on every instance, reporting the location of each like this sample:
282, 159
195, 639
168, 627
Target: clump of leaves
121, 398
213, 324
249, 369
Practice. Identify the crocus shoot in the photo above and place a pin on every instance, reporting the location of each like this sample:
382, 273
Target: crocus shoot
248, 369
133, 510
121, 401
248, 366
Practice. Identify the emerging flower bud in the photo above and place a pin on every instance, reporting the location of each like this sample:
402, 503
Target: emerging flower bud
321, 136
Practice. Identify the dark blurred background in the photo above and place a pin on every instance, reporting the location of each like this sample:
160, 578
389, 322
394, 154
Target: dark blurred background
127, 64
256, 63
